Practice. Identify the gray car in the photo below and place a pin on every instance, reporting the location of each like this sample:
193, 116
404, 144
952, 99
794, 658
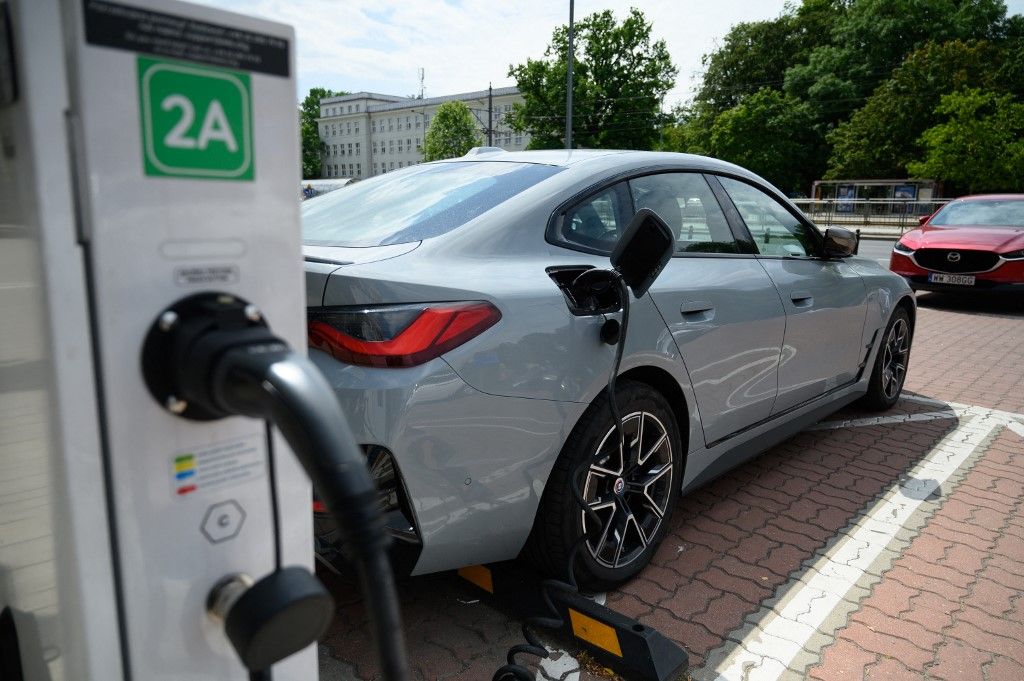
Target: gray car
440, 312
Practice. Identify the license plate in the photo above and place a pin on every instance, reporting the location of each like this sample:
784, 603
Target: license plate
958, 279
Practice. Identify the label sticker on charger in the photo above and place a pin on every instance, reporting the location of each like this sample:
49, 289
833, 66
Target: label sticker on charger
196, 121
218, 465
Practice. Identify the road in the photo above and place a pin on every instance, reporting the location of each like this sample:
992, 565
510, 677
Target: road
879, 249
869, 546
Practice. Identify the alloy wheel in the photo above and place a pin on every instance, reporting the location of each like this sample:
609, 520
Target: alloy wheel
628, 490
894, 358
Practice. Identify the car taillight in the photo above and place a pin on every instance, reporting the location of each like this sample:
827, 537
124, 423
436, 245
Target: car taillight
397, 335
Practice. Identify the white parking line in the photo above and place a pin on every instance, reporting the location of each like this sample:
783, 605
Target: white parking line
768, 650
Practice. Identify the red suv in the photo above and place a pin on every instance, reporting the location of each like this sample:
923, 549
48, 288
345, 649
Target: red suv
974, 242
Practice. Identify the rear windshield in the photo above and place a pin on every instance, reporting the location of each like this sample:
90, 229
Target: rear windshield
414, 204
990, 213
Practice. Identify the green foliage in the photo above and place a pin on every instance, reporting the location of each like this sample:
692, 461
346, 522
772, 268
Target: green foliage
309, 134
771, 134
756, 55
980, 146
880, 138
872, 38
620, 78
452, 132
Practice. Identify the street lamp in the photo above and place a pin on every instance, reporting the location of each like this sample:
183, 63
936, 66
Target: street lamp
568, 91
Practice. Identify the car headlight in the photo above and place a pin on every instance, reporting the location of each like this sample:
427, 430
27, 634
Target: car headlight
901, 247
1014, 255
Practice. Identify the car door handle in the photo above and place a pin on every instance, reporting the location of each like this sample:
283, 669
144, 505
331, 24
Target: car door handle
697, 310
801, 298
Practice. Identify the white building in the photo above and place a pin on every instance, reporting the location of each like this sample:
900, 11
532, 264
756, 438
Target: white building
366, 134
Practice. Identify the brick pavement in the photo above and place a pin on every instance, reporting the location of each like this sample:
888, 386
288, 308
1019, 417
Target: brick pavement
944, 598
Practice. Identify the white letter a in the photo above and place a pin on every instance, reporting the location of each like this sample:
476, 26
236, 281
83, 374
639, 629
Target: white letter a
215, 127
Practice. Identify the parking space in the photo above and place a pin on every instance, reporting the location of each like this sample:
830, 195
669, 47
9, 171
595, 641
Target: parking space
878, 546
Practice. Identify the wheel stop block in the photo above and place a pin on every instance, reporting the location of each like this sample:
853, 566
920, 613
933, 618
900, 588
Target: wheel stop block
632, 650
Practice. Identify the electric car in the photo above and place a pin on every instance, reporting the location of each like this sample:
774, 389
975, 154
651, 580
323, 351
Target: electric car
970, 244
441, 311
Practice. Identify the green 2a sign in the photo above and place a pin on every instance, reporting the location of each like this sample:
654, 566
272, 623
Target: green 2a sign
196, 121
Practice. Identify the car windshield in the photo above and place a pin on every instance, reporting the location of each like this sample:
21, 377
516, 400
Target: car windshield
414, 204
988, 213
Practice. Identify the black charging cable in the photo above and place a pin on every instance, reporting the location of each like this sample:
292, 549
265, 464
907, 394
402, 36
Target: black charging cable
211, 355
611, 331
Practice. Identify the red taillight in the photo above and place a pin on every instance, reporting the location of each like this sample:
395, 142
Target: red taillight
319, 506
398, 336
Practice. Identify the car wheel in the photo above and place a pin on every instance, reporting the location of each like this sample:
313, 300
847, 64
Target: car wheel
890, 370
631, 496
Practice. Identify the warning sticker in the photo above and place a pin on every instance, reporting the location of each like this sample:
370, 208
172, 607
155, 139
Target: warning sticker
138, 29
218, 465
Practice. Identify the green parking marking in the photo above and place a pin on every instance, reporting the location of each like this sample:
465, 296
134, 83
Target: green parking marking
196, 121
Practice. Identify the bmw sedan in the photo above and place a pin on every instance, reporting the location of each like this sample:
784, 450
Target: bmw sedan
972, 243
440, 312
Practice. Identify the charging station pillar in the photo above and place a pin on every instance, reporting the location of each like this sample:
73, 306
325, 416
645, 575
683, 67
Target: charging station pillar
148, 151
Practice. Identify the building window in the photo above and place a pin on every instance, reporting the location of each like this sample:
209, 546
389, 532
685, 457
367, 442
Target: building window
508, 107
359, 170
399, 164
508, 138
418, 144
350, 108
519, 140
374, 168
357, 128
392, 167
357, 106
357, 149
417, 125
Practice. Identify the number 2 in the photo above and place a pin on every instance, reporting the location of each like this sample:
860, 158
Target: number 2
176, 137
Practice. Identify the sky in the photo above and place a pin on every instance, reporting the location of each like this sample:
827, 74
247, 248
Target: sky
462, 45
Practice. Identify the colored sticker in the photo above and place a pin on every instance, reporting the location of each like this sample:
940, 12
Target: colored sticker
218, 465
196, 121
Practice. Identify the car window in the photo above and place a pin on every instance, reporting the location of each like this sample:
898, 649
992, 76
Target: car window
776, 231
982, 213
689, 207
418, 203
596, 223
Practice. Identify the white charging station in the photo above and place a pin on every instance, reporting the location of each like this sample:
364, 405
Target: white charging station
148, 150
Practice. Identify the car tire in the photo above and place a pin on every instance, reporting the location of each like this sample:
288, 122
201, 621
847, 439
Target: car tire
638, 495
890, 369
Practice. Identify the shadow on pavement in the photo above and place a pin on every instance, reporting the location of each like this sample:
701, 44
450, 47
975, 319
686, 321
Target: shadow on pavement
975, 302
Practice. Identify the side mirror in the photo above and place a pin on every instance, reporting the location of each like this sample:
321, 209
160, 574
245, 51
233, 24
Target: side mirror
921, 219
839, 242
643, 251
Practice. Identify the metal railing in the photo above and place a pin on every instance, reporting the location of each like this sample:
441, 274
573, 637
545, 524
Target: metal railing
886, 214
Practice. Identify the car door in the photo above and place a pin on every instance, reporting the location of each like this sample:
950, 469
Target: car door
824, 298
719, 303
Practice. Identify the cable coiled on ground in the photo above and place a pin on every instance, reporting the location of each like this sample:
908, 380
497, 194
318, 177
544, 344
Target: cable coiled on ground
513, 670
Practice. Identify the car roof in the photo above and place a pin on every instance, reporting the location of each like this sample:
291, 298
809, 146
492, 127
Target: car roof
601, 157
991, 197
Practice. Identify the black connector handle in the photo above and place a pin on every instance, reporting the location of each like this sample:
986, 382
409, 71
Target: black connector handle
211, 355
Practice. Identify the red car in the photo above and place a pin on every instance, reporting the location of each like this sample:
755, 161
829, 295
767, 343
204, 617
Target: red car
974, 242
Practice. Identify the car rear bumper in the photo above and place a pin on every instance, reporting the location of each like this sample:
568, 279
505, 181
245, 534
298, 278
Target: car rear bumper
474, 465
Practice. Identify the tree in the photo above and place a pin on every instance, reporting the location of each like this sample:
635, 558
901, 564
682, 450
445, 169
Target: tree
771, 134
620, 79
452, 132
872, 38
980, 147
309, 134
880, 138
756, 55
